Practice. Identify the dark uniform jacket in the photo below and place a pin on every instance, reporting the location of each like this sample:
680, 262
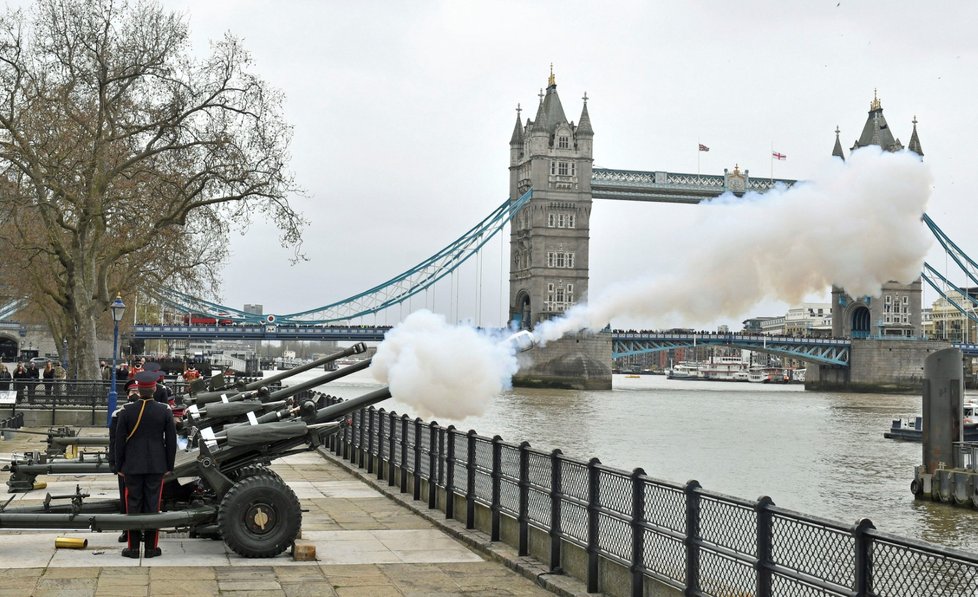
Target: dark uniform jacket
153, 447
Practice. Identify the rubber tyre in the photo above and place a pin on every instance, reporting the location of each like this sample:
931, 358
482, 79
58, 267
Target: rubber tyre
916, 488
255, 469
259, 517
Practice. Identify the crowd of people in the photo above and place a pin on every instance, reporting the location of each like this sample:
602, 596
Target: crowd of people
26, 378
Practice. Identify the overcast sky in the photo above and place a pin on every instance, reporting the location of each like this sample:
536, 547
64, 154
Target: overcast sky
403, 113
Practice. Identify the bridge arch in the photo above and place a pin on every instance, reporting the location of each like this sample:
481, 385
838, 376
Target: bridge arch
522, 311
860, 322
8, 346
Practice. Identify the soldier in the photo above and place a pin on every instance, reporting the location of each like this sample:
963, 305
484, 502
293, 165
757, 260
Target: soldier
132, 394
145, 450
163, 393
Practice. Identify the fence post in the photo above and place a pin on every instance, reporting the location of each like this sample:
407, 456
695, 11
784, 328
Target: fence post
370, 439
404, 449
416, 491
556, 495
496, 476
523, 518
692, 537
864, 561
470, 482
450, 473
391, 450
380, 444
638, 531
432, 464
764, 545
593, 502
361, 432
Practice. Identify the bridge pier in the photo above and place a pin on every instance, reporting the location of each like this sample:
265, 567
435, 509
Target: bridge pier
575, 362
890, 365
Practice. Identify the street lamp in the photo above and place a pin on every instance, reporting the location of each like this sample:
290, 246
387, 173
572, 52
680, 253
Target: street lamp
118, 308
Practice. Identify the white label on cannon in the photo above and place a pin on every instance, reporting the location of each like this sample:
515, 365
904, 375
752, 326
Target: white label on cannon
224, 398
194, 413
252, 420
207, 434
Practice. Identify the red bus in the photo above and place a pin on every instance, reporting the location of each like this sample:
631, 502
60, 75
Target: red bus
204, 319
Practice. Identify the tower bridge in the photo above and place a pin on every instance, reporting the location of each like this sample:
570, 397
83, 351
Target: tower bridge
552, 187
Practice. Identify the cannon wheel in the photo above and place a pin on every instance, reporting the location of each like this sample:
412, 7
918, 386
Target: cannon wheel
255, 469
259, 516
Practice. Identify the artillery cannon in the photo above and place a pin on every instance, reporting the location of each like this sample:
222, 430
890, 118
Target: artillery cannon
218, 388
220, 488
239, 409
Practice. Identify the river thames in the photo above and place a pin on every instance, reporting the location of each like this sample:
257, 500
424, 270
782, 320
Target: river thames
817, 453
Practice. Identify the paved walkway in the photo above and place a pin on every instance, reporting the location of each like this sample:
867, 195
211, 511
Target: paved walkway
366, 543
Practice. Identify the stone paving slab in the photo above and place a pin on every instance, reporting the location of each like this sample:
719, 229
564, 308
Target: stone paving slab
366, 544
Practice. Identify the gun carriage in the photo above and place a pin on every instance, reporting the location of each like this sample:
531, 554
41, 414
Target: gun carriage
220, 486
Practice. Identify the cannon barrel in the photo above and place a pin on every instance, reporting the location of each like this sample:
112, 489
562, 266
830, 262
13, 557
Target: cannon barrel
206, 397
346, 407
318, 381
79, 441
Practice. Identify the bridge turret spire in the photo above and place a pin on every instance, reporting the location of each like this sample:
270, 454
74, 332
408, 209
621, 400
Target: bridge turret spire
914, 145
517, 138
877, 131
584, 126
837, 150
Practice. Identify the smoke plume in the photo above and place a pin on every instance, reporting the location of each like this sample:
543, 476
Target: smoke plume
442, 370
856, 225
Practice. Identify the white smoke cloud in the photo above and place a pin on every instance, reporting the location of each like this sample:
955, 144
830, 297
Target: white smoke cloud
856, 224
442, 370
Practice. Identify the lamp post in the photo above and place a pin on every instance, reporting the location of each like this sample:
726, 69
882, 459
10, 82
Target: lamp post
118, 308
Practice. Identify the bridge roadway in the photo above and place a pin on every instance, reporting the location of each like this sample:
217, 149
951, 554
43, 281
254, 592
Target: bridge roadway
624, 343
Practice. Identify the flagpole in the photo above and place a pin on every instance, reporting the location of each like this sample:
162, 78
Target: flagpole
698, 152
772, 162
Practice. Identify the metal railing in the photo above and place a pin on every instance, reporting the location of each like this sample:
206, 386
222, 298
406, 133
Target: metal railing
699, 542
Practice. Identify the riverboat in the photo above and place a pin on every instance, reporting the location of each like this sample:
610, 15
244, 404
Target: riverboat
913, 429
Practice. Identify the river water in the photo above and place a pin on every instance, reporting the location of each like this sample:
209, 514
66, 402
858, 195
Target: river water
819, 453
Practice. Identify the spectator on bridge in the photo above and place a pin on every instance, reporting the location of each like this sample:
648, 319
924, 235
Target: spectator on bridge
6, 380
48, 375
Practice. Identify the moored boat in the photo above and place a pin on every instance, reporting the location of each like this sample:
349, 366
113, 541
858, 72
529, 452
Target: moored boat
913, 429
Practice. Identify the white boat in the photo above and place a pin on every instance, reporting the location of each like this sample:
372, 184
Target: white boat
684, 370
768, 375
724, 369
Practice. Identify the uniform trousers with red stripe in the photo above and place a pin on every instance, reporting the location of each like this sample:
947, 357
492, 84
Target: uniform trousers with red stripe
143, 496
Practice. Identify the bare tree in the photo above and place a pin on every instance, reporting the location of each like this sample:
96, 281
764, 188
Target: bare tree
126, 161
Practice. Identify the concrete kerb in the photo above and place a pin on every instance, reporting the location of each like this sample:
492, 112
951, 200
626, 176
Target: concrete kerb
476, 540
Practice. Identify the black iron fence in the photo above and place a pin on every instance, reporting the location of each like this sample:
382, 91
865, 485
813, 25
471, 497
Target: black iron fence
696, 541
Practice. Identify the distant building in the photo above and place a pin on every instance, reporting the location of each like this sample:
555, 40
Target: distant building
947, 322
803, 319
897, 312
254, 309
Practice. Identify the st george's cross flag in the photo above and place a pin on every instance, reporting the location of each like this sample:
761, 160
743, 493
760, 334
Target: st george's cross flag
779, 156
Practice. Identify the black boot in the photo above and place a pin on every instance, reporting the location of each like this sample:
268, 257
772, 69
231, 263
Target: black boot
149, 545
124, 537
131, 552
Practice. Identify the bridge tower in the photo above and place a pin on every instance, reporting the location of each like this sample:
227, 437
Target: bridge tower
549, 237
549, 240
876, 363
897, 312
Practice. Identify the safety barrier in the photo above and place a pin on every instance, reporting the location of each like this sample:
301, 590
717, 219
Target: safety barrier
625, 533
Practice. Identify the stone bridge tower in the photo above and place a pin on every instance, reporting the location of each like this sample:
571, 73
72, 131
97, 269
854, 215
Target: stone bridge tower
549, 242
549, 237
897, 312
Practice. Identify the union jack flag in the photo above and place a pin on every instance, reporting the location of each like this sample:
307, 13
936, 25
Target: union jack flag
704, 147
